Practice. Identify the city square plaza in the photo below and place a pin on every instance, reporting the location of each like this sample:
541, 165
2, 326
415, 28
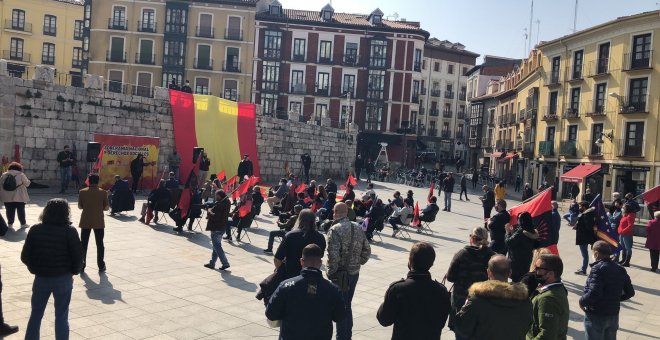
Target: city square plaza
155, 286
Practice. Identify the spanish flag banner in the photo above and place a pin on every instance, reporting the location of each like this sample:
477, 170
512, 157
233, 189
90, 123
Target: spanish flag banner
225, 129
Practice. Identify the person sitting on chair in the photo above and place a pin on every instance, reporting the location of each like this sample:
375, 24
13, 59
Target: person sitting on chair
431, 210
121, 198
401, 216
349, 195
172, 182
284, 228
257, 201
325, 213
376, 217
158, 200
194, 212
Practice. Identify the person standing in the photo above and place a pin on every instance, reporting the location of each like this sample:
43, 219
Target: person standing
463, 188
307, 304
527, 192
174, 163
217, 224
93, 201
653, 240
518, 183
520, 245
137, 168
588, 196
173, 85
553, 232
65, 159
584, 234
495, 309
53, 253
625, 230
497, 230
448, 188
500, 191
306, 161
550, 309
204, 166
371, 168
14, 194
607, 285
5, 329
417, 306
487, 202
186, 87
475, 178
245, 168
357, 166
575, 191
348, 249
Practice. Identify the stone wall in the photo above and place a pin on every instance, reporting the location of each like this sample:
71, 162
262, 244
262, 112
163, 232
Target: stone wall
42, 117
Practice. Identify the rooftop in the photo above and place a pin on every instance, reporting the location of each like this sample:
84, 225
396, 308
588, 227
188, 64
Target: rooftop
73, 2
446, 45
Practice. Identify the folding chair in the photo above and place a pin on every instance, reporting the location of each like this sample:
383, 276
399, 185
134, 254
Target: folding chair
375, 233
198, 223
425, 226
244, 223
403, 231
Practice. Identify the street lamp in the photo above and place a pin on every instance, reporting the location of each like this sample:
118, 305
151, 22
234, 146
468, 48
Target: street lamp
600, 140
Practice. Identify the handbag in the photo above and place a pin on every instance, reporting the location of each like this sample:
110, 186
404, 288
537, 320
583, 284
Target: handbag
341, 276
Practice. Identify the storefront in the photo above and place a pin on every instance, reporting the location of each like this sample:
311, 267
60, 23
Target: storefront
583, 176
629, 178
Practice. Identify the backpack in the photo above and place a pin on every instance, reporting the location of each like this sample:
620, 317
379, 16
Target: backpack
10, 183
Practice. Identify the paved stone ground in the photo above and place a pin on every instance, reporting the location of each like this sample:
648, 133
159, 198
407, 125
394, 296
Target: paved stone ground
156, 287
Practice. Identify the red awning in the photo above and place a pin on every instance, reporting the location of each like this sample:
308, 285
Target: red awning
509, 156
577, 174
497, 154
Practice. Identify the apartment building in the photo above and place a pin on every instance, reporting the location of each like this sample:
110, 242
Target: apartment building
137, 45
359, 68
441, 123
599, 108
43, 32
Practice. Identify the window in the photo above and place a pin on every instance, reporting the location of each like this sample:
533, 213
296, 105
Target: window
231, 90
78, 30
175, 21
350, 55
345, 116
271, 76
233, 63
299, 49
16, 49
234, 31
203, 60
50, 25
460, 130
596, 133
275, 10
298, 82
268, 103
436, 66
445, 129
148, 22
550, 134
578, 59
376, 85
168, 76
641, 53
205, 28
634, 141
465, 70
554, 75
18, 19
295, 107
115, 81
48, 54
348, 86
575, 101
373, 116
415, 90
272, 44
450, 68
603, 58
325, 52
552, 104
118, 21
572, 133
418, 60
637, 95
320, 111
143, 87
378, 56
76, 59
173, 53
322, 83
146, 55
599, 100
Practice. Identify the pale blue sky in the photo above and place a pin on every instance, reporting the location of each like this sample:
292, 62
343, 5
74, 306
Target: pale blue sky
492, 27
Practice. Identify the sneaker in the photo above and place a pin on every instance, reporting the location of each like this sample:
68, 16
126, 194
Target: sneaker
224, 267
25, 226
177, 229
580, 272
268, 251
6, 329
209, 266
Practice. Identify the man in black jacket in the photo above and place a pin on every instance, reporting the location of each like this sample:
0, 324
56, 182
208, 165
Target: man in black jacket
306, 163
53, 253
359, 164
497, 230
244, 168
307, 304
431, 210
417, 306
448, 188
65, 159
463, 188
584, 234
488, 202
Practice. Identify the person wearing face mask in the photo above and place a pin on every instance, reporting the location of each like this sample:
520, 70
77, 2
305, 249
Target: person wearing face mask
497, 230
625, 230
584, 234
550, 309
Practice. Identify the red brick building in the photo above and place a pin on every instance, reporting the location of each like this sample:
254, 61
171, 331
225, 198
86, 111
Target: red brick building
322, 65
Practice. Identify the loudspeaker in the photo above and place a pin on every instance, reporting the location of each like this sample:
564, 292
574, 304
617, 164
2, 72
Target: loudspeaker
93, 150
197, 151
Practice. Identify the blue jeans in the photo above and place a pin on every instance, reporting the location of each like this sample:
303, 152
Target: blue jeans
570, 217
448, 200
65, 175
601, 327
272, 235
60, 287
216, 241
584, 250
626, 245
345, 327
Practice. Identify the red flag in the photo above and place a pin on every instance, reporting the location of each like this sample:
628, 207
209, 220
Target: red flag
416, 222
230, 184
351, 180
301, 188
536, 206
221, 175
428, 198
96, 168
241, 190
253, 181
342, 187
652, 195
245, 209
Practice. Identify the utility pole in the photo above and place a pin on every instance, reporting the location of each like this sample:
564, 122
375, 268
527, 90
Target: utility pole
531, 17
575, 17
538, 30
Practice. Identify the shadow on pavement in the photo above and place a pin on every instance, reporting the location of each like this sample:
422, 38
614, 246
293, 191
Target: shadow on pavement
15, 235
102, 291
237, 282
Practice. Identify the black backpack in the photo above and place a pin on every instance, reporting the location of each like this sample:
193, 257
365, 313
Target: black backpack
10, 183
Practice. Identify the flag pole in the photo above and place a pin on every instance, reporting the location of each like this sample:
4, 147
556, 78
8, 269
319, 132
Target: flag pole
642, 194
533, 197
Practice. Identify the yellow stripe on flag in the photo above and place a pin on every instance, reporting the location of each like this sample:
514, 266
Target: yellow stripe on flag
216, 122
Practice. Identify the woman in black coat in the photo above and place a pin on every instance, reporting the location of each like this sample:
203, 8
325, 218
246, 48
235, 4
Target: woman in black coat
520, 242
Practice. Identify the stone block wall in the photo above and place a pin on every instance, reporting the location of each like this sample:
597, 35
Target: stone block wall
42, 117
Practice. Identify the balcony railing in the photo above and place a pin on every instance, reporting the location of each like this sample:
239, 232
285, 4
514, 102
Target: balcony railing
117, 57
423, 91
591, 149
460, 115
447, 113
486, 142
595, 109
234, 34
549, 115
322, 92
449, 94
205, 32
598, 67
417, 67
531, 113
434, 112
350, 60
432, 132
630, 147
145, 59
117, 24
298, 58
474, 142
299, 89
633, 105
445, 134
76, 63
461, 96
231, 66
547, 148
576, 72
147, 26
513, 119
499, 144
554, 78
638, 60
415, 98
508, 144
568, 148
203, 63
435, 93
519, 144
142, 91
570, 113
18, 26
325, 60
16, 56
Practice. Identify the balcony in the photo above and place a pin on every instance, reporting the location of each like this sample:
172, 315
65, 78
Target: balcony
486, 143
117, 24
513, 119
299, 88
553, 79
231, 66
76, 63
205, 32
449, 94
142, 91
146, 26
272, 54
415, 98
547, 148
447, 113
145, 59
518, 145
417, 67
434, 112
350, 60
508, 144
324, 92
461, 96
203, 64
549, 114
423, 91
16, 56
435, 93
531, 114
598, 67
173, 60
499, 144
596, 109
445, 134
568, 148
571, 113
234, 34
521, 115
528, 150
117, 57
298, 58
422, 111
591, 149
432, 133
18, 26
630, 147
633, 105
642, 60
175, 28
575, 73
325, 60
460, 115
